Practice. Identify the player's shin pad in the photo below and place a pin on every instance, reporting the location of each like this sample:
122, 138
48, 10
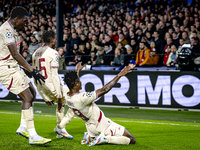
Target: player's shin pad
29, 117
60, 115
118, 140
23, 121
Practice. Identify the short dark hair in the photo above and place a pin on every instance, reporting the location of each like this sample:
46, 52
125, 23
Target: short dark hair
106, 44
142, 42
194, 32
70, 78
19, 12
157, 31
48, 35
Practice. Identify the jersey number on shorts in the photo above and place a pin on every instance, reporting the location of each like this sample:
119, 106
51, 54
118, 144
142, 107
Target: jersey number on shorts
42, 67
79, 114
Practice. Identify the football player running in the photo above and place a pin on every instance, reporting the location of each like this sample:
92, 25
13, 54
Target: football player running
83, 106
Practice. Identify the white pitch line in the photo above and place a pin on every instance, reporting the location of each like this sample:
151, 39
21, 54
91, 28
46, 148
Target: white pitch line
173, 124
148, 122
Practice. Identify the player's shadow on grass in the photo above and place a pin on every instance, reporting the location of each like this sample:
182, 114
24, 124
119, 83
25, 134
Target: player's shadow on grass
42, 145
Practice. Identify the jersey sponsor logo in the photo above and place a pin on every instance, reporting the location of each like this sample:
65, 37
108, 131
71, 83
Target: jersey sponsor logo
9, 35
89, 94
22, 84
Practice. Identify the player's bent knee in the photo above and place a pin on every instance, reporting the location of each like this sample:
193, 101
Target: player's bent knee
28, 98
130, 136
132, 140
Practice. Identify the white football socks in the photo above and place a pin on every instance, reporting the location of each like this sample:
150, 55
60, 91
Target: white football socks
60, 115
67, 118
29, 117
23, 121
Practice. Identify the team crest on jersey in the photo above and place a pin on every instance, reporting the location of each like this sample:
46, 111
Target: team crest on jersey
9, 35
22, 84
89, 94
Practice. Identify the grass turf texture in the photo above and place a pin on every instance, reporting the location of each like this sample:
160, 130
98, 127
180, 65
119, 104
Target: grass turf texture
153, 129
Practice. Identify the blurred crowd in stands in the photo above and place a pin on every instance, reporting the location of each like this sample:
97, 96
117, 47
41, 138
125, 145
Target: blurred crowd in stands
112, 32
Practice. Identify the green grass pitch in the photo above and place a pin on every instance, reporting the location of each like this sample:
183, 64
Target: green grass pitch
153, 129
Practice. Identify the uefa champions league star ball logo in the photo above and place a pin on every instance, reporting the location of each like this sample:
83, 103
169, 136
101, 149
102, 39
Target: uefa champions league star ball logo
9, 35
89, 94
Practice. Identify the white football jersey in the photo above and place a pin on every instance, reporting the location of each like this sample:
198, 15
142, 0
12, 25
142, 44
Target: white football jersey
83, 106
46, 59
8, 36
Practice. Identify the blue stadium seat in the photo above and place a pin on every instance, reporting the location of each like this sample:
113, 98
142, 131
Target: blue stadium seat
75, 8
117, 5
189, 1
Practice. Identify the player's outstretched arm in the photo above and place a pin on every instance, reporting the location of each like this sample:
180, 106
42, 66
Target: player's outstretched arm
110, 84
68, 117
15, 54
79, 67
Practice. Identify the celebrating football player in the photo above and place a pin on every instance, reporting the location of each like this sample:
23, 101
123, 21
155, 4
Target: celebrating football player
46, 59
83, 106
14, 78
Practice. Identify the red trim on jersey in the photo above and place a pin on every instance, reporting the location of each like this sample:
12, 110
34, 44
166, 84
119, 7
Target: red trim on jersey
54, 66
5, 58
10, 84
111, 132
72, 94
10, 43
10, 23
100, 116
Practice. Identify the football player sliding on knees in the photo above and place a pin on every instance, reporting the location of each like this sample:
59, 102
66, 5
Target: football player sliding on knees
100, 129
